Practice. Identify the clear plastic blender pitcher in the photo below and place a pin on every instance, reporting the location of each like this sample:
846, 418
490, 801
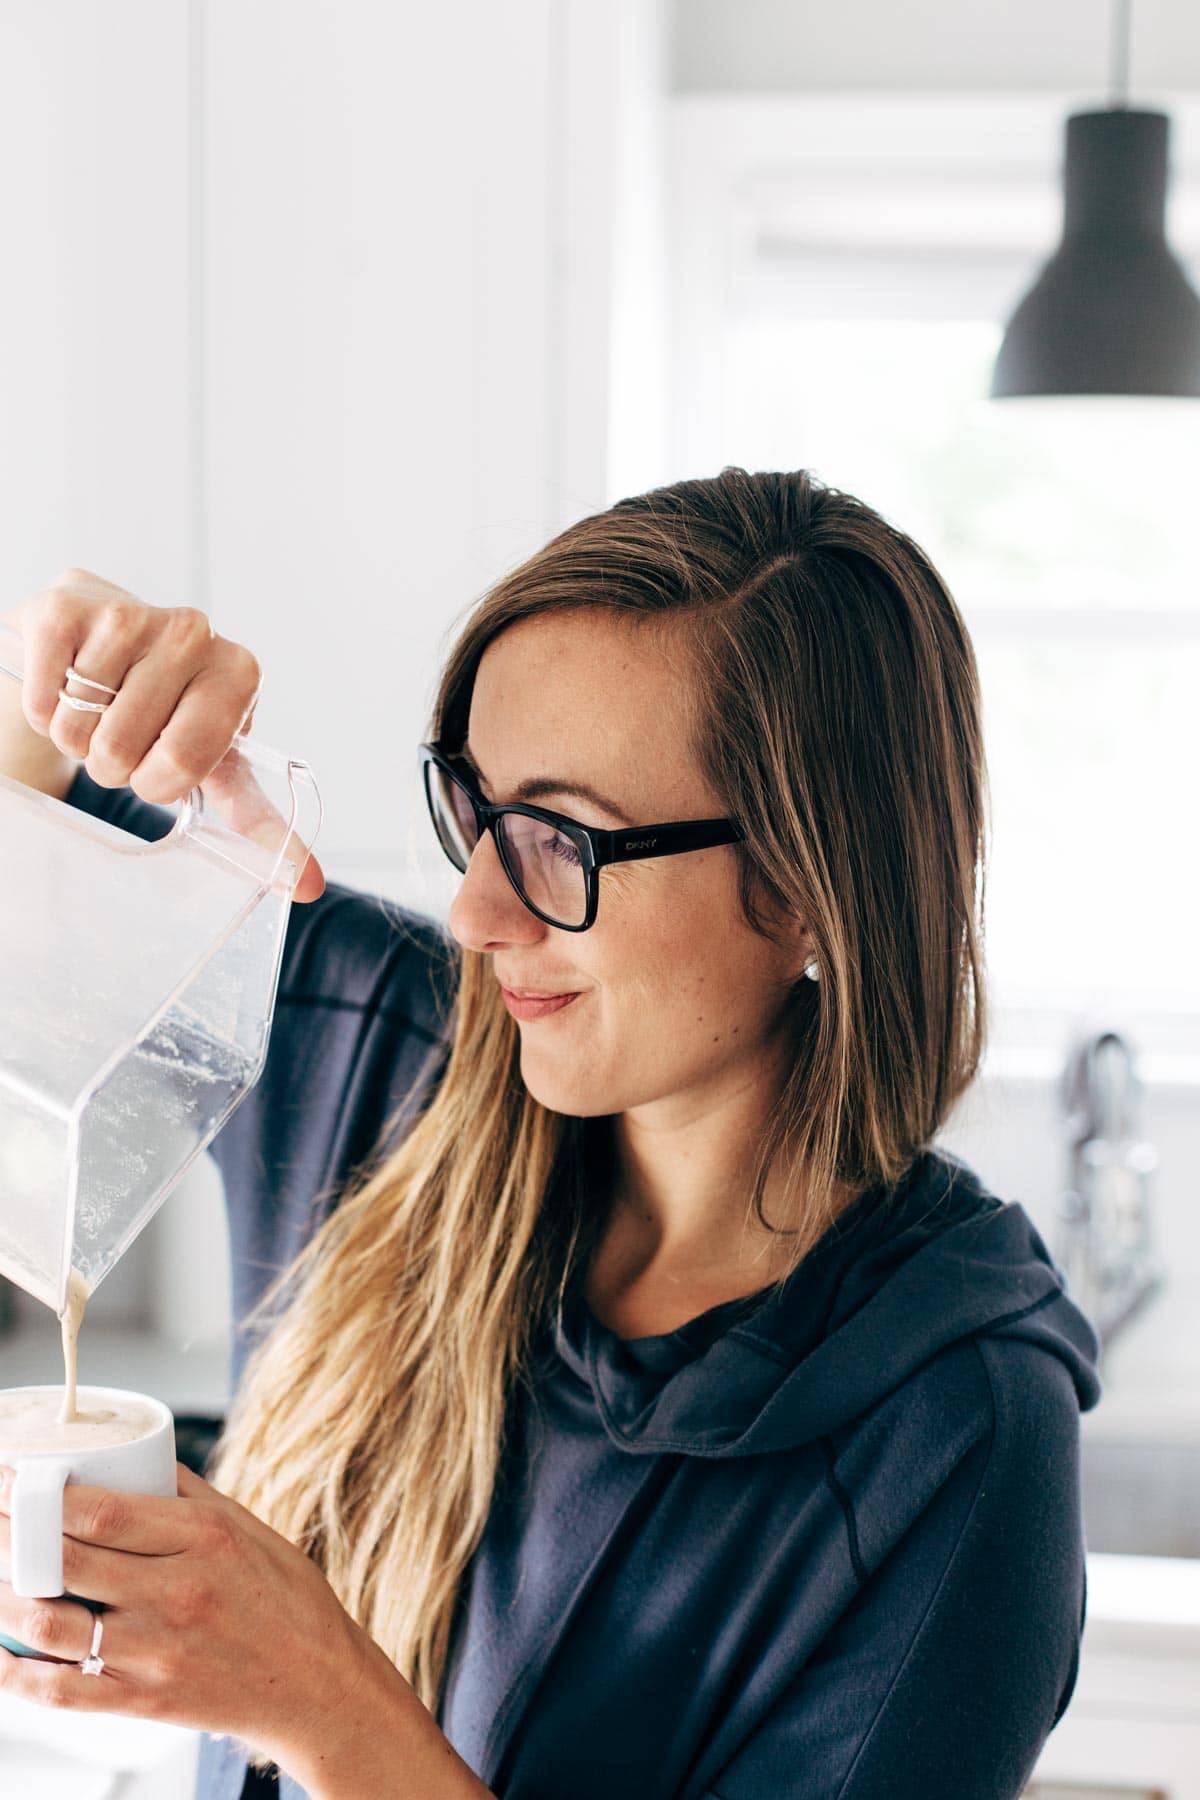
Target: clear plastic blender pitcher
137, 986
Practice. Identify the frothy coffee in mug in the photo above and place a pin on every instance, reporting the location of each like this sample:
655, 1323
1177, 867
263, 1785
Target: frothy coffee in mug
29, 1420
44, 1420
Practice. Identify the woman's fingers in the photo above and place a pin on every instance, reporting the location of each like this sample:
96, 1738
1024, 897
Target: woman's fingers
183, 694
154, 657
59, 1628
139, 1522
240, 802
55, 626
91, 1571
151, 736
60, 1631
190, 1486
311, 884
203, 719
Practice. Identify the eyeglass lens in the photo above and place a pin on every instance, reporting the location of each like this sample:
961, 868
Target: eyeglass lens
544, 863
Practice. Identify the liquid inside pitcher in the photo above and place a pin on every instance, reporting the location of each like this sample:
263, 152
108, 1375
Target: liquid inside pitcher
137, 987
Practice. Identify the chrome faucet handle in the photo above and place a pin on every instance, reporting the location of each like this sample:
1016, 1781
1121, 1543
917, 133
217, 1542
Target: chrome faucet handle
1104, 1241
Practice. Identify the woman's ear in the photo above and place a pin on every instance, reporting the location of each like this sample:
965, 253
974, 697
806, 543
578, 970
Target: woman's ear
789, 930
802, 952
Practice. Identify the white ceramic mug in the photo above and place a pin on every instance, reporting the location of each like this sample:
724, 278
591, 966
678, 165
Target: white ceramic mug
145, 1465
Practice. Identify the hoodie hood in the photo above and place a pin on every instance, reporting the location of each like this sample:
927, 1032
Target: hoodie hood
904, 1272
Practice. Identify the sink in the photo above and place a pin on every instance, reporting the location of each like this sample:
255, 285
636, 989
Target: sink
1141, 1497
1140, 1448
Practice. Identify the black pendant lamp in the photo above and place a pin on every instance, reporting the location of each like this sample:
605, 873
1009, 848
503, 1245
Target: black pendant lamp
1113, 311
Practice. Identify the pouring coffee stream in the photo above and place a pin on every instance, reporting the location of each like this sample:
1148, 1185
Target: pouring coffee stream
70, 1321
71, 1318
137, 986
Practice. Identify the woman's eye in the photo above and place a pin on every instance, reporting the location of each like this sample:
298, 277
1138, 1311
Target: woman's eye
564, 849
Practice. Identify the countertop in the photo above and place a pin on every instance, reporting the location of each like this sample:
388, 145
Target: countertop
1147, 1604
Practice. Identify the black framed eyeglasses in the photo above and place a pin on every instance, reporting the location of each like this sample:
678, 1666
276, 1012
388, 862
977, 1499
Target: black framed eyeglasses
553, 862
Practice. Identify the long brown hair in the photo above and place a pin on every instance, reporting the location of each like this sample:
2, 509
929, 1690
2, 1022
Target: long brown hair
834, 707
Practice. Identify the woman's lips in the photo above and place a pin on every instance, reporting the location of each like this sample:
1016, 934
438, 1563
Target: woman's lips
535, 1009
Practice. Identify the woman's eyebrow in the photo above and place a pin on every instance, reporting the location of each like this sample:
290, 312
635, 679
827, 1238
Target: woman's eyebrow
539, 787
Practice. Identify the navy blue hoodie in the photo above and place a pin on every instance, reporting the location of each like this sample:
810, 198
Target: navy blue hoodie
819, 1544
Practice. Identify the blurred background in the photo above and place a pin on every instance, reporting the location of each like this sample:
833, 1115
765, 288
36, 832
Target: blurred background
321, 317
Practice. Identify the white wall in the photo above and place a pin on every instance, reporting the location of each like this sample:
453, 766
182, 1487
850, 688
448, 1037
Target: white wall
94, 316
309, 321
412, 225
382, 433
615, 264
94, 448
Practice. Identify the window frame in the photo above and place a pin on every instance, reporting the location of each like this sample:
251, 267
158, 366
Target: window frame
951, 200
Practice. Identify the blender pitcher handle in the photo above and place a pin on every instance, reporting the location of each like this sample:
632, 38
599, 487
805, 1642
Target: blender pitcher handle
259, 809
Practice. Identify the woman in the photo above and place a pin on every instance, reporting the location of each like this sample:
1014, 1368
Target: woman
637, 1387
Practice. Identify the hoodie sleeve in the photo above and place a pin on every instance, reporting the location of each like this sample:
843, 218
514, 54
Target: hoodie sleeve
959, 1655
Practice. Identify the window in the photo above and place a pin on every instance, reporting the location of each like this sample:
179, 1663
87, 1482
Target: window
861, 347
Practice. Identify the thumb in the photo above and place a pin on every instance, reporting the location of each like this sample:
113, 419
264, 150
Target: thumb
239, 800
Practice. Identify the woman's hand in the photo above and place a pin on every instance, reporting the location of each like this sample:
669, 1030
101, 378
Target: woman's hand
184, 692
213, 1621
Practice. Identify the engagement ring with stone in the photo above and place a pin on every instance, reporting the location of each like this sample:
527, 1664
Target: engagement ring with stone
93, 1662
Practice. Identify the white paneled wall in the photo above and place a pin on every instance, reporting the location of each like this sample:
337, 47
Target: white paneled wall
381, 432
309, 321
94, 317
94, 444
411, 242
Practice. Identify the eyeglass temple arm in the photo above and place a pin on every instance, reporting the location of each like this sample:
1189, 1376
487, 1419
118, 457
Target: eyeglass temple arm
664, 840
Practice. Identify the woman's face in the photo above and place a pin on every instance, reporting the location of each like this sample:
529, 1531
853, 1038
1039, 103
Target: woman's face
677, 996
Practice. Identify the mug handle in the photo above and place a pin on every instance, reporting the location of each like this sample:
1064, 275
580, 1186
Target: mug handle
36, 1527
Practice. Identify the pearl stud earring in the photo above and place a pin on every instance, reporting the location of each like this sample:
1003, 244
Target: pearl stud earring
811, 969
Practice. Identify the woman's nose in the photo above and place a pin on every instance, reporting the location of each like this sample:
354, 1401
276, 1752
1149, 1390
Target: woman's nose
487, 908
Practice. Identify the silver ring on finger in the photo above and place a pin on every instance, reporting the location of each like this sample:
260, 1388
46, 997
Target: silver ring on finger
93, 1662
92, 706
88, 706
73, 674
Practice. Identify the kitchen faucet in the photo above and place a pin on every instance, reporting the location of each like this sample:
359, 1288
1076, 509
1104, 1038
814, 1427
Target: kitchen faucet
1105, 1240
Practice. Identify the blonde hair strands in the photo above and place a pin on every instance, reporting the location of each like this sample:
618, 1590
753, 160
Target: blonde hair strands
833, 702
